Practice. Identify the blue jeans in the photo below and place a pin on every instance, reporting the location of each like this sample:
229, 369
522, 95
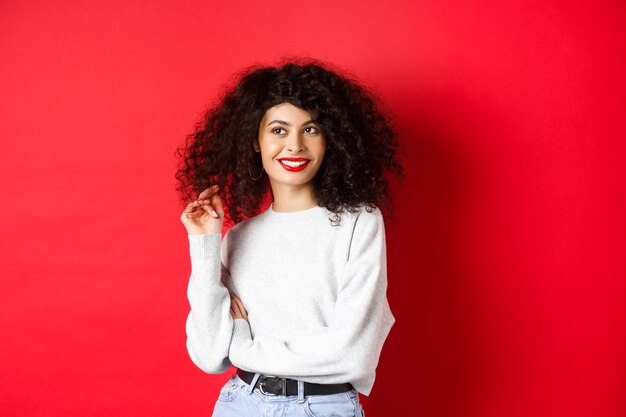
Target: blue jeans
237, 399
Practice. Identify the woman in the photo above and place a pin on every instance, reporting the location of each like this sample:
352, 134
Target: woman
294, 295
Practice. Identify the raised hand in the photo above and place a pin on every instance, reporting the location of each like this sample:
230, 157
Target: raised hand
204, 215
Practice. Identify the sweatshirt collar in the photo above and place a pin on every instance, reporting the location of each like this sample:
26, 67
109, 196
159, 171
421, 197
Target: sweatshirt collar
289, 216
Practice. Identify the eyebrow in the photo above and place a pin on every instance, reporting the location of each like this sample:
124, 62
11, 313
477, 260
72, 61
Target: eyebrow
282, 122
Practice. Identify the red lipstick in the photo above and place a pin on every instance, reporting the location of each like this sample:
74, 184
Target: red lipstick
296, 164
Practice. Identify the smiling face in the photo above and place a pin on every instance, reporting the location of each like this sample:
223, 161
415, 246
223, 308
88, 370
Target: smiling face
292, 146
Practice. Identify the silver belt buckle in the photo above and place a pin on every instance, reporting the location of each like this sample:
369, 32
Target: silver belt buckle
271, 393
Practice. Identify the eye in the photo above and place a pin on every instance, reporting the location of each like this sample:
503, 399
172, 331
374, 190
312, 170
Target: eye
275, 130
311, 129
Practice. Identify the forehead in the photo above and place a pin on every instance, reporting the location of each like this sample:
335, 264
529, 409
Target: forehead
287, 111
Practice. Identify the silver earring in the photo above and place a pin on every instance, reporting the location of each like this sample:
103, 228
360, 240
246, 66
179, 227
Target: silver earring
262, 169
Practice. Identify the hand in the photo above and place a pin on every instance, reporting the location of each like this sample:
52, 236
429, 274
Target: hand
204, 215
237, 310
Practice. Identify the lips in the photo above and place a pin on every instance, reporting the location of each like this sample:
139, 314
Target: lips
294, 164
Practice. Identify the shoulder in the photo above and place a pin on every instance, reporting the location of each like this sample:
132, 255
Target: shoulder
362, 211
366, 223
368, 215
367, 239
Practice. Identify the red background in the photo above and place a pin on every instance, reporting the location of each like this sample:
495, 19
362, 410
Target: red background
506, 256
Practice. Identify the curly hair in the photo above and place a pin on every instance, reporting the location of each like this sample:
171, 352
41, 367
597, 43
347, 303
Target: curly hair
362, 143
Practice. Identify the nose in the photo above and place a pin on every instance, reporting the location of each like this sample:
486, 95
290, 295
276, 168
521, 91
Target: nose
295, 143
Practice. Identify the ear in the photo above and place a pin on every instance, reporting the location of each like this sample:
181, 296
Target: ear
256, 146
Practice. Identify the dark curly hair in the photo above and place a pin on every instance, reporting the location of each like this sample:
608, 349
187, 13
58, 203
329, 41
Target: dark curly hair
362, 143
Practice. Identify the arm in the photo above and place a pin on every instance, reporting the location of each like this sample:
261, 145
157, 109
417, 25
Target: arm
348, 349
209, 324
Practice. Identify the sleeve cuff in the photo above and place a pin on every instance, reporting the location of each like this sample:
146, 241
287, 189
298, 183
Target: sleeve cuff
241, 332
205, 247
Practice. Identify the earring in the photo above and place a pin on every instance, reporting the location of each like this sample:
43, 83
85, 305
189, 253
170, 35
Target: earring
262, 169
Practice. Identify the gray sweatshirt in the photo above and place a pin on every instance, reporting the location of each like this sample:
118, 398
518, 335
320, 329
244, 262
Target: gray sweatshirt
315, 294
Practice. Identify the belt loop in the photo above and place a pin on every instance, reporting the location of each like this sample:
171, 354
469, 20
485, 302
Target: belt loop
253, 382
301, 392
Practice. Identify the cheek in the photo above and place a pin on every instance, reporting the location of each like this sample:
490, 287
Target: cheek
321, 151
270, 150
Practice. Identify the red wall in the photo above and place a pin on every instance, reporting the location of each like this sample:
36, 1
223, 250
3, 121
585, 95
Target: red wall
506, 257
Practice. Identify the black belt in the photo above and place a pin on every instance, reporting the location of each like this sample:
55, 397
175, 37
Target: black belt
273, 385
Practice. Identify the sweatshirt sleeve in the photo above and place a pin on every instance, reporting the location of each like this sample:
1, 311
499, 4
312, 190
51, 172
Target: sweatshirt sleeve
349, 348
209, 324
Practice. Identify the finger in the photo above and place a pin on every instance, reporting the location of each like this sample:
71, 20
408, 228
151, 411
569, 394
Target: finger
239, 302
193, 205
191, 212
216, 200
212, 204
208, 191
236, 310
242, 309
233, 301
216, 204
208, 207
240, 306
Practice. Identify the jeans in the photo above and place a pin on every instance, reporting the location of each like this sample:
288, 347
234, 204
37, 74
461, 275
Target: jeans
237, 399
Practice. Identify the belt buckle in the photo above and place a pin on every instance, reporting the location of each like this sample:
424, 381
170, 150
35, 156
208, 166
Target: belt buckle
284, 385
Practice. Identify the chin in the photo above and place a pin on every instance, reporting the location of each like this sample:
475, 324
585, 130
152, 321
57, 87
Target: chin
293, 181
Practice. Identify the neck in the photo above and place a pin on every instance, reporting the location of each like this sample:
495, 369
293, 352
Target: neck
293, 198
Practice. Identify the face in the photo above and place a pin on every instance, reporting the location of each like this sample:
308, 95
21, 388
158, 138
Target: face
292, 146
